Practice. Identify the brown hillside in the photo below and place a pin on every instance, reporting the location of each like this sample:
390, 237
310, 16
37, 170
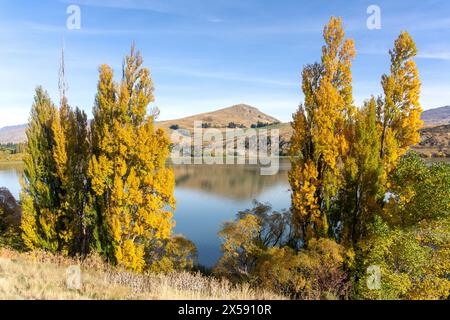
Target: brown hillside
240, 114
435, 141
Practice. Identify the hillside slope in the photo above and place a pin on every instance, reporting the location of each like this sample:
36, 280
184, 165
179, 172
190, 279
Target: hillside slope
436, 116
13, 134
435, 137
435, 141
240, 114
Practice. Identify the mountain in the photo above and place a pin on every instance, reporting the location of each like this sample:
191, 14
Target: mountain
437, 116
435, 135
13, 134
240, 114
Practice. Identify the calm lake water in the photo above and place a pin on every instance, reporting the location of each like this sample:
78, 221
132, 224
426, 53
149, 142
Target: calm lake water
207, 195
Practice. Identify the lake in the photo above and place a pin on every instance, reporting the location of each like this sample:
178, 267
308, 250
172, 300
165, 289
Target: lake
207, 195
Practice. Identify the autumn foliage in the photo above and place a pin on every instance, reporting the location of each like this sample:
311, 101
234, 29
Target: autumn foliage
133, 188
105, 187
319, 140
359, 197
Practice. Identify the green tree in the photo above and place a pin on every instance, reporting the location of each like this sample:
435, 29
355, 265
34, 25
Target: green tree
72, 154
413, 261
418, 192
54, 195
361, 195
40, 186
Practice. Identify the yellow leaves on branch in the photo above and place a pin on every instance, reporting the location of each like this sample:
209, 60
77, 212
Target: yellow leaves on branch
319, 142
128, 167
400, 113
330, 137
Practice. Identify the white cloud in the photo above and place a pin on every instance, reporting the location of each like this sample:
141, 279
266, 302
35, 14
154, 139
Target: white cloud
442, 55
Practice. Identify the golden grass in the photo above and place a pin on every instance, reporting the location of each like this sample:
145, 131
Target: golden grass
43, 276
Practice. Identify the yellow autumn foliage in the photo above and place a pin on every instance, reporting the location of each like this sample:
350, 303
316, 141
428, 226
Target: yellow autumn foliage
132, 185
319, 143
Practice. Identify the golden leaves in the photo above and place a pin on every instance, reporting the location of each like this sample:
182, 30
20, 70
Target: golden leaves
128, 168
319, 140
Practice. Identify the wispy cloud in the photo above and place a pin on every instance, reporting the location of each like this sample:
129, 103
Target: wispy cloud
194, 9
29, 26
227, 76
442, 55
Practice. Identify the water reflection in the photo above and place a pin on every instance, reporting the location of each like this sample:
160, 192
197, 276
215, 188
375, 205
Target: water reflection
10, 174
207, 195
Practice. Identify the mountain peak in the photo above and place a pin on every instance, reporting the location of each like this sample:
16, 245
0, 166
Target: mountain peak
240, 114
243, 106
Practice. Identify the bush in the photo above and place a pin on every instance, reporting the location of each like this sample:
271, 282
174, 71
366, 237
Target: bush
413, 262
260, 124
260, 247
418, 191
313, 273
175, 254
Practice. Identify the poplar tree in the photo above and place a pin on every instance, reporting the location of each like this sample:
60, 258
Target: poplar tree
71, 155
399, 110
133, 188
55, 186
359, 198
319, 140
40, 184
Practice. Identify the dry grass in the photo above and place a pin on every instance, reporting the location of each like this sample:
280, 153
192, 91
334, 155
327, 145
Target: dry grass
42, 276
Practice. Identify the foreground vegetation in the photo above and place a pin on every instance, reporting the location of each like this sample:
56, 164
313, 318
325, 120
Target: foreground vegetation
40, 275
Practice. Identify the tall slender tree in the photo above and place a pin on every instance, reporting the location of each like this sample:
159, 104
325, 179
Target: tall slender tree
359, 197
55, 186
319, 140
399, 110
132, 186
40, 185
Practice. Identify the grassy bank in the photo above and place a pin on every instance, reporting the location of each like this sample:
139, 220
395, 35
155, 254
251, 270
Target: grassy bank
42, 276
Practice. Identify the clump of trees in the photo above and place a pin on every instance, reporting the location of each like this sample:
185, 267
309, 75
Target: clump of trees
260, 124
12, 151
104, 187
359, 199
13, 148
261, 248
233, 125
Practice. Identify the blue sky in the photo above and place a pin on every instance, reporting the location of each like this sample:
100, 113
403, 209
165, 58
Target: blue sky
208, 54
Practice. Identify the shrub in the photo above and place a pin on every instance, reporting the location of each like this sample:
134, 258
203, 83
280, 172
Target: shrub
413, 262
